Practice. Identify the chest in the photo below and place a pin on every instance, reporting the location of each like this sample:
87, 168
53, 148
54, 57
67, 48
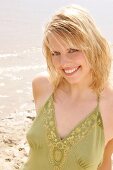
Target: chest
70, 115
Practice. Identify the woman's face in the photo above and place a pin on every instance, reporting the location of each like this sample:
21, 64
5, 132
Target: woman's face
69, 62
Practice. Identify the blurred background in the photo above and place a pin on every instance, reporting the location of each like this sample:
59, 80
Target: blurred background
22, 21
22, 24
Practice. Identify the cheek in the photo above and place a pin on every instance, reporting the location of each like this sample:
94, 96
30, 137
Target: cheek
84, 60
55, 62
78, 57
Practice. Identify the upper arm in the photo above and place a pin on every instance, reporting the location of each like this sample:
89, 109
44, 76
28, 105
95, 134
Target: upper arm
107, 164
40, 88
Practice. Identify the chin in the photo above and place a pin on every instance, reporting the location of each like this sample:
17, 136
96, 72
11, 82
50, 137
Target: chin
72, 82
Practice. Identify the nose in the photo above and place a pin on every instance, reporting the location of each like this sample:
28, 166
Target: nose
64, 61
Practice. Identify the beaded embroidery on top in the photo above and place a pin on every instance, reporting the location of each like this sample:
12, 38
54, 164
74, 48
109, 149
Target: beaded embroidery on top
59, 149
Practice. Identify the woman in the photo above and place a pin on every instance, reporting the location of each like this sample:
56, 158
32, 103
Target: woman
74, 126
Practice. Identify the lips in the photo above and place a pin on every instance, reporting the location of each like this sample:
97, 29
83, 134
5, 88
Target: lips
71, 71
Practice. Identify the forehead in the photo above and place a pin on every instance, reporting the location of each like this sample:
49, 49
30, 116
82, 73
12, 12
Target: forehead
57, 42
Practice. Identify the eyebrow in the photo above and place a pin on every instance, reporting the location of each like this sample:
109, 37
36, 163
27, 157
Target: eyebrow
67, 50
54, 51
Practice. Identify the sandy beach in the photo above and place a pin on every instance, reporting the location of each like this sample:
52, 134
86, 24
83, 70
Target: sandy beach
16, 104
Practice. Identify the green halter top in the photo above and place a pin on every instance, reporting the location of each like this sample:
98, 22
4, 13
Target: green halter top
81, 149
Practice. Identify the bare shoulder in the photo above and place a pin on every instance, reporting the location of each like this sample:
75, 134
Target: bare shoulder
42, 88
107, 110
108, 102
41, 83
107, 95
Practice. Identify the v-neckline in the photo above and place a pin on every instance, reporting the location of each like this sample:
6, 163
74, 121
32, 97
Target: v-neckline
90, 114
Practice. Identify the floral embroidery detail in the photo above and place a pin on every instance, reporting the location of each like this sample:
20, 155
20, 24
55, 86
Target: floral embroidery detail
59, 149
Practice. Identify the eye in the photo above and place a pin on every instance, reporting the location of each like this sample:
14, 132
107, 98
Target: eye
55, 53
72, 50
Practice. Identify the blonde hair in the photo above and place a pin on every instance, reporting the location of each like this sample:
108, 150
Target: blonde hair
76, 27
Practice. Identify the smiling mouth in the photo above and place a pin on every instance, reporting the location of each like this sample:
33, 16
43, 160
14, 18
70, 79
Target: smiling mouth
70, 72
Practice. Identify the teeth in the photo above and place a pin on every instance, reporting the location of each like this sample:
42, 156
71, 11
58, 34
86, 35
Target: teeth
70, 71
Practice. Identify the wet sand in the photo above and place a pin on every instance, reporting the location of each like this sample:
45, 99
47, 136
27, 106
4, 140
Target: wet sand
17, 109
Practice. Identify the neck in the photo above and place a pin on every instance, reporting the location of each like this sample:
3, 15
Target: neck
79, 91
